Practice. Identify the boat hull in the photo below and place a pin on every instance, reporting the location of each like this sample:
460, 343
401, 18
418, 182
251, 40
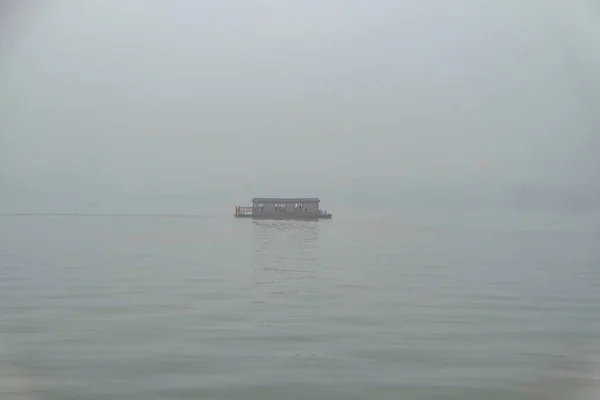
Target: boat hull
285, 216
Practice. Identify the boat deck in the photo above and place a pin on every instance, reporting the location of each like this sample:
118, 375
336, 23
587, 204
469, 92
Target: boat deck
284, 216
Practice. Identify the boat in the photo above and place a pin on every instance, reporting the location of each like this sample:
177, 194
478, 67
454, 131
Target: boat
302, 208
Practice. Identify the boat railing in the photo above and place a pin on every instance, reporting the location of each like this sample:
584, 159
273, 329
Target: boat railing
243, 210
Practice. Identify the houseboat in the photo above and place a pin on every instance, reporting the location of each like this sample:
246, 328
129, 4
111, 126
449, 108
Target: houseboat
280, 208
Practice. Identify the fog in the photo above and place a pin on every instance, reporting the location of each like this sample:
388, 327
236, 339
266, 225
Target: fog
189, 103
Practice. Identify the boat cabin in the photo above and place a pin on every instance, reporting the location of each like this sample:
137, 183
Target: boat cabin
283, 208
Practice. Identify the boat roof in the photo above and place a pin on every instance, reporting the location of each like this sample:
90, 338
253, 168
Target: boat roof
285, 200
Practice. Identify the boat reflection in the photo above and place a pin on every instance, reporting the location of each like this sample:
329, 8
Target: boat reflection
285, 256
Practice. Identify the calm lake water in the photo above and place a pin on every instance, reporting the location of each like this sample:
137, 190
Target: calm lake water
418, 305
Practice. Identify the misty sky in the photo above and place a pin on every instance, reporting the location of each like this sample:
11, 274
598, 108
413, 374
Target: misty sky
243, 97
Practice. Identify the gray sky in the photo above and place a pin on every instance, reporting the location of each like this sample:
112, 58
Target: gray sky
271, 97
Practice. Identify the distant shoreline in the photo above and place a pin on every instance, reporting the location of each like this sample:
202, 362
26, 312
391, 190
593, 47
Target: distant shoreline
107, 215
